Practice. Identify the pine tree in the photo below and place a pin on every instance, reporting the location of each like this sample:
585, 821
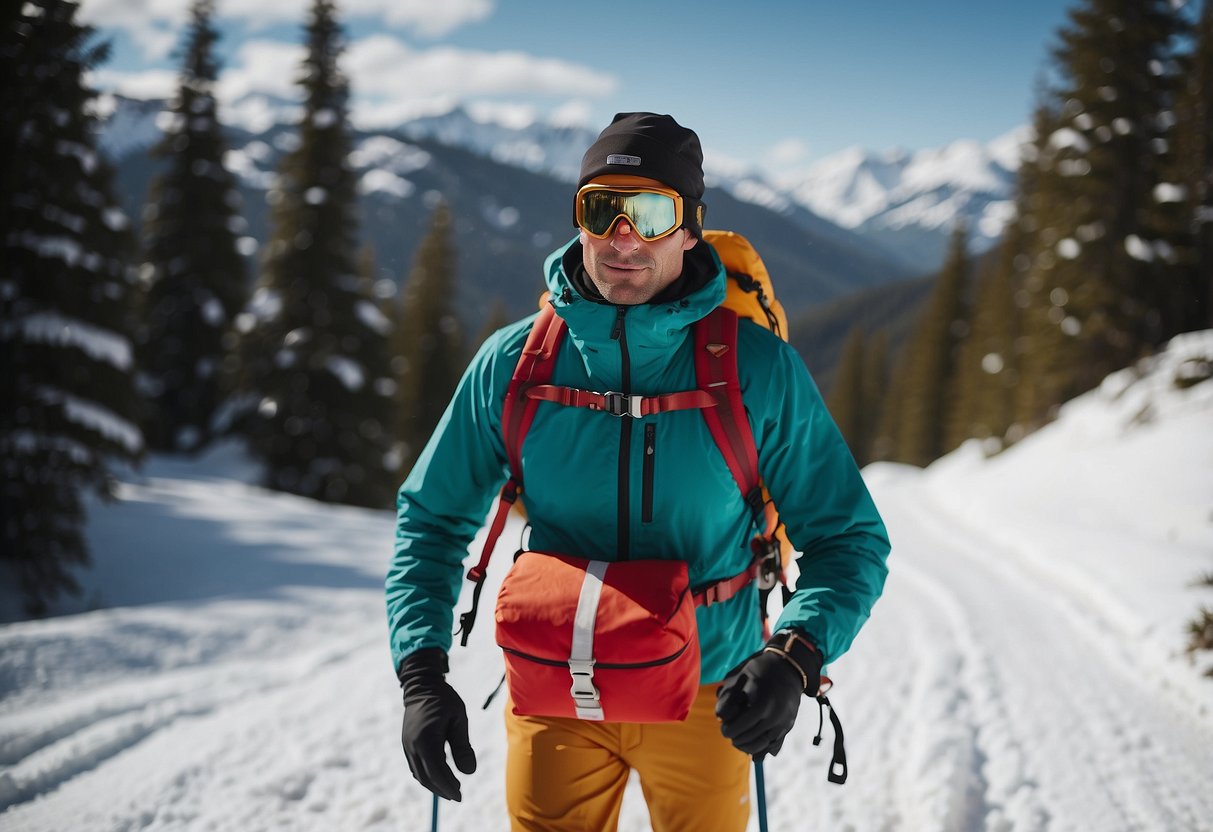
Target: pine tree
892, 407
195, 277
875, 394
987, 371
67, 397
1046, 349
1194, 169
930, 362
313, 354
429, 354
1116, 262
846, 399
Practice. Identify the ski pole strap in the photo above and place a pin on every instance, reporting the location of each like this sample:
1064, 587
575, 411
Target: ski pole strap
838, 764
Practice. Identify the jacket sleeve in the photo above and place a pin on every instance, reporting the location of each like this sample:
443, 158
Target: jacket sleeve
443, 502
828, 513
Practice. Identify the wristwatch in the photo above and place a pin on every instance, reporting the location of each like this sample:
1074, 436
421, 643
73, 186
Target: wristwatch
799, 652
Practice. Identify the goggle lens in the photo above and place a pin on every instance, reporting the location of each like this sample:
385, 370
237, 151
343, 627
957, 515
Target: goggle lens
652, 215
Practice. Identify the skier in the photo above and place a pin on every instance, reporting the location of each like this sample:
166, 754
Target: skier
630, 288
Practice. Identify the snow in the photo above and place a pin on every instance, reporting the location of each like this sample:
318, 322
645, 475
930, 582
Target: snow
94, 417
59, 330
389, 154
926, 189
372, 317
385, 182
227, 666
349, 372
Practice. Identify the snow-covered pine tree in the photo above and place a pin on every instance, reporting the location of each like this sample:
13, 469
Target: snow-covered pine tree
67, 400
195, 278
313, 352
1113, 266
1194, 158
429, 343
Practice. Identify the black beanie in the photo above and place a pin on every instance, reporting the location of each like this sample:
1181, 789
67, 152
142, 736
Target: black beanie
650, 145
653, 146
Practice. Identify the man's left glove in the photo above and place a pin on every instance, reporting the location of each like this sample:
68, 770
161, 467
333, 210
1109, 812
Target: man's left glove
758, 701
434, 715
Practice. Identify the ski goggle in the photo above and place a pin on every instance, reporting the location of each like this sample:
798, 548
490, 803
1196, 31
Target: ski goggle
653, 212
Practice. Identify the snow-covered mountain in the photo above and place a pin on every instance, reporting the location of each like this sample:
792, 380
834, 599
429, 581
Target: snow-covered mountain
508, 181
906, 198
906, 203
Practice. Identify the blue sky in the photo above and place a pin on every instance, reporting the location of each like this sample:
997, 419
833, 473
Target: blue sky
780, 85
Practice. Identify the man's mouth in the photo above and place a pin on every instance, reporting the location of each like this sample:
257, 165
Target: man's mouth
625, 266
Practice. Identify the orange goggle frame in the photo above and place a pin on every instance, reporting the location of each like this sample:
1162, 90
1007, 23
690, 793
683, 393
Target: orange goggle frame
653, 212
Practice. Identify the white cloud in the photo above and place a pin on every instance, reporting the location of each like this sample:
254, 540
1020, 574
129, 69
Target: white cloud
424, 17
263, 66
381, 65
152, 83
155, 25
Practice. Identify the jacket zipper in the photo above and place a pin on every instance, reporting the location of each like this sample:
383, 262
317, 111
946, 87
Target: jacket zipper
650, 453
619, 333
601, 665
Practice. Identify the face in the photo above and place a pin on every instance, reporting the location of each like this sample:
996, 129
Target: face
626, 269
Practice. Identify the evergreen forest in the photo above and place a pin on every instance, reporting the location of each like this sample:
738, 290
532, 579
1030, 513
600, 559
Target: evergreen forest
115, 343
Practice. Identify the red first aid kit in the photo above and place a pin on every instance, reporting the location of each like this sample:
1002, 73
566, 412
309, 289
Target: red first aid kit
599, 640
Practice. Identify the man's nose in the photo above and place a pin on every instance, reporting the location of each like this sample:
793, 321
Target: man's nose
624, 238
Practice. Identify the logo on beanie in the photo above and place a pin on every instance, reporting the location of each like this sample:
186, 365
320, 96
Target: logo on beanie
623, 159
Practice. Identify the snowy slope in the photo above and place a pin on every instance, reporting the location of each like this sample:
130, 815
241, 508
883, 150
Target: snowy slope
1024, 670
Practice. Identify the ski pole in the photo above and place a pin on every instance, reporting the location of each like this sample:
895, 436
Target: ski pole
760, 786
434, 816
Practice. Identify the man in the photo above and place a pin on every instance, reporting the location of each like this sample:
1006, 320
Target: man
630, 287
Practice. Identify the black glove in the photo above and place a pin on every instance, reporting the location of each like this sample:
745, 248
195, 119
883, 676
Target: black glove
434, 715
758, 700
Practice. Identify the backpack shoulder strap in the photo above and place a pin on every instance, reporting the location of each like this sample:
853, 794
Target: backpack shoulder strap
716, 373
535, 366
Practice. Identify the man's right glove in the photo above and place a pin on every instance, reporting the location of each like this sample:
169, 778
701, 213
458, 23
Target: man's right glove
758, 701
434, 716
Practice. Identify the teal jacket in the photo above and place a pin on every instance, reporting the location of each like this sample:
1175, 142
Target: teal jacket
587, 491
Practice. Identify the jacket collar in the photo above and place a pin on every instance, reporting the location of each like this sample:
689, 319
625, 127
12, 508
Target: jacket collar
653, 330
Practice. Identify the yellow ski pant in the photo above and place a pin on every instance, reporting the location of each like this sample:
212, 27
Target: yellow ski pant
569, 774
